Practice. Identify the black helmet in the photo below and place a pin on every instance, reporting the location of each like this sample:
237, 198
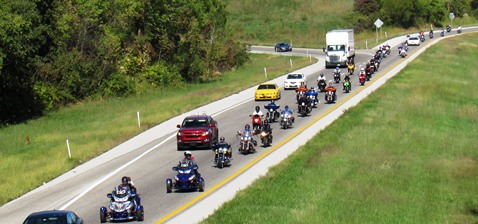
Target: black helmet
124, 180
257, 108
247, 127
266, 122
286, 107
222, 139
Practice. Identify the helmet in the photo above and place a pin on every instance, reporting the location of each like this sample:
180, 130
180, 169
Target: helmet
286, 107
187, 153
362, 70
247, 127
312, 88
266, 122
273, 101
222, 139
124, 180
257, 108
321, 74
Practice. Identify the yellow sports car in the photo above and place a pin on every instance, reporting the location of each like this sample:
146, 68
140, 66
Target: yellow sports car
267, 91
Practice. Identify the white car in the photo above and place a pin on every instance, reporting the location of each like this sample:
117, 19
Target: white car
413, 41
295, 80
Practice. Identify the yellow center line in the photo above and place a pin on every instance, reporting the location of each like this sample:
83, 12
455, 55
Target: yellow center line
272, 149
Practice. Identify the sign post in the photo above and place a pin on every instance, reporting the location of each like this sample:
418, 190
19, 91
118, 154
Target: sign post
378, 24
451, 16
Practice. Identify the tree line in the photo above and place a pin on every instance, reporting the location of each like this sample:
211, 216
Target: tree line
56, 52
409, 13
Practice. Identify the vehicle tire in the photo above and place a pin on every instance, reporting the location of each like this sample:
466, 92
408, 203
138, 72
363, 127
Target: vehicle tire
140, 215
169, 187
276, 49
201, 185
102, 217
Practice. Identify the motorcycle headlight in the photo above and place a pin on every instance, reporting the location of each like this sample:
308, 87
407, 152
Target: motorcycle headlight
192, 177
303, 104
263, 133
176, 178
248, 138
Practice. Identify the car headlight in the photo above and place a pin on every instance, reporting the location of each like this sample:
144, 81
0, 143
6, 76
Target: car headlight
205, 133
180, 134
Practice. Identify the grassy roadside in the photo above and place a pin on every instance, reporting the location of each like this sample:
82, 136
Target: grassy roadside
305, 22
95, 127
406, 154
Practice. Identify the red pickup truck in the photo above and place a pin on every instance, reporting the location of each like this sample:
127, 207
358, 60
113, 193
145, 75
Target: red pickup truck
197, 131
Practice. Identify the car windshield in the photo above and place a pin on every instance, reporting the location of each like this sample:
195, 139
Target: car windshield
336, 47
294, 76
283, 44
189, 123
46, 220
413, 38
267, 86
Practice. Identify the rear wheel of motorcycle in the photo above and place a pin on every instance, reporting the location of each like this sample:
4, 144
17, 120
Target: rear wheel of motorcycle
102, 217
140, 215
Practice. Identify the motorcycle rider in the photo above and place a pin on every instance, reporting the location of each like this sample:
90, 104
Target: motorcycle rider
313, 92
127, 184
189, 158
330, 88
257, 111
430, 34
247, 130
337, 70
288, 111
272, 105
321, 78
347, 78
459, 29
266, 127
223, 144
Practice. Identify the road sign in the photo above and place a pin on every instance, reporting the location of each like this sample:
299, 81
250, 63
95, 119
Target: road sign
378, 23
451, 16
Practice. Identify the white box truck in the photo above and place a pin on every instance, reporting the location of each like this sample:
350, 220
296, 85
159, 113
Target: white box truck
340, 46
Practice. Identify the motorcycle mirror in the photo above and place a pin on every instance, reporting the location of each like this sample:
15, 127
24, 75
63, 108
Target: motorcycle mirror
109, 195
178, 126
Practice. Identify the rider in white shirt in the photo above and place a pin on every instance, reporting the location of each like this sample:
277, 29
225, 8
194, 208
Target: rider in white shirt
257, 111
321, 77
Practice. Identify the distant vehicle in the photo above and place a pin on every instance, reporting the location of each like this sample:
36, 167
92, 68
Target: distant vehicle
267, 91
282, 46
413, 41
197, 131
295, 80
53, 216
340, 47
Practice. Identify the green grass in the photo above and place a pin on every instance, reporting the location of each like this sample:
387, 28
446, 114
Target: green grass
97, 126
304, 22
406, 154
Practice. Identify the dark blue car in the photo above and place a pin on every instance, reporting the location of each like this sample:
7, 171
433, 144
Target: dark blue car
282, 46
53, 216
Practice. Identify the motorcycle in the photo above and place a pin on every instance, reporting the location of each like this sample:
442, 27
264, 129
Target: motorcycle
403, 53
321, 85
285, 120
422, 38
442, 33
448, 28
186, 178
266, 138
313, 97
272, 113
304, 108
221, 158
368, 74
246, 145
347, 86
330, 97
123, 206
336, 77
351, 69
362, 79
459, 30
256, 122
430, 35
